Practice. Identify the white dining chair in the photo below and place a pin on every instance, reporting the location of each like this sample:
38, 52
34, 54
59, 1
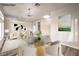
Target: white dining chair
29, 51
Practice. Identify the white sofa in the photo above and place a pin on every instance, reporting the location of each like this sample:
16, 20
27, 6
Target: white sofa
29, 51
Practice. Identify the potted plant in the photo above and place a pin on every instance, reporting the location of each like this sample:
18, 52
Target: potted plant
37, 36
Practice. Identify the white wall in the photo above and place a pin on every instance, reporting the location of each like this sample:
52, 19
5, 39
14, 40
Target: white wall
51, 27
9, 24
11, 21
64, 36
44, 27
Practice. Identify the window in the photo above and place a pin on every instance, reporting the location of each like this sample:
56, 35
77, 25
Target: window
1, 25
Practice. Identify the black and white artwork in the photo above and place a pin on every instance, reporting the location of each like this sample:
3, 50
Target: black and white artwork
15, 25
19, 27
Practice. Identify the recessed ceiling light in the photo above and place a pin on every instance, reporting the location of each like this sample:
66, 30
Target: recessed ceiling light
46, 16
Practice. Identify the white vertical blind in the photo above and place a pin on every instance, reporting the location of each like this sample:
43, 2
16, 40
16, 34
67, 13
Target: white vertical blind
76, 29
0, 30
1, 26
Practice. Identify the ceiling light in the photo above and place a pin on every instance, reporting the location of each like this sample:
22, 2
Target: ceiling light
29, 12
46, 16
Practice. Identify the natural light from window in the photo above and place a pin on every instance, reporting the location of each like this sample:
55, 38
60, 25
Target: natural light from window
1, 26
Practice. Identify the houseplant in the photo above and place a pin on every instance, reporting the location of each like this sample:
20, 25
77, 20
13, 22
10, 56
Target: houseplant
37, 36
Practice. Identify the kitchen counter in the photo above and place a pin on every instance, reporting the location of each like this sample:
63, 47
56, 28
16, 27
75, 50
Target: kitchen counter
70, 48
74, 45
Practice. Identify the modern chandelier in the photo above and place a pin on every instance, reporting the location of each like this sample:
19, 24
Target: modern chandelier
29, 10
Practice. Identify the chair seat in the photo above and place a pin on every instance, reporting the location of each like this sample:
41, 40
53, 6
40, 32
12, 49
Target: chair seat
29, 51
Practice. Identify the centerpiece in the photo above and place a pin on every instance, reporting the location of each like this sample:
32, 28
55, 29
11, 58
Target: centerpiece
37, 36
37, 40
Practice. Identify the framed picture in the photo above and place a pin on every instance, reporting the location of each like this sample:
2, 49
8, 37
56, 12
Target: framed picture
19, 27
64, 23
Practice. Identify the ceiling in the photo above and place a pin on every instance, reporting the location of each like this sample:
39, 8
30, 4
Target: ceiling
20, 10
